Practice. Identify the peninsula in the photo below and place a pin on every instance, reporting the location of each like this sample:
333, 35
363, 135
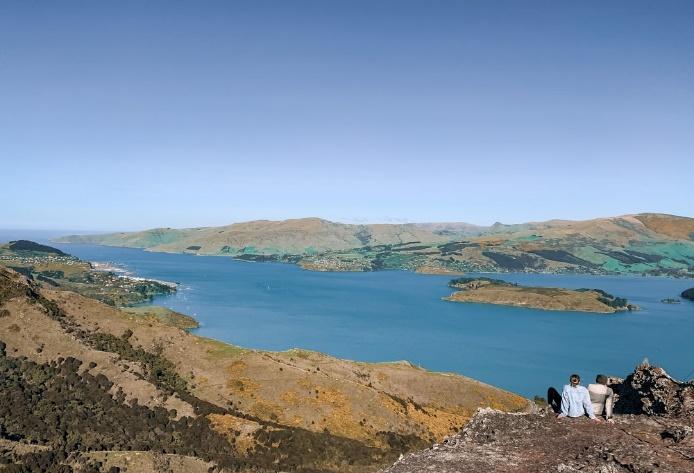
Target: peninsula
495, 291
54, 268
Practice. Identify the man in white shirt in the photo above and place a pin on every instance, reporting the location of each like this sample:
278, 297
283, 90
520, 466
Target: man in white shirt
601, 397
575, 400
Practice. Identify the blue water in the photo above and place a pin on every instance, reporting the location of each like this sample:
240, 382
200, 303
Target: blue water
394, 315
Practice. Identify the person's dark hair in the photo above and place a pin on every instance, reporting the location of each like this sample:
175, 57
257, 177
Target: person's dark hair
601, 378
577, 377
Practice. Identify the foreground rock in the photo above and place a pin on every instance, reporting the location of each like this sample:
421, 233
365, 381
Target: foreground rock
87, 387
653, 433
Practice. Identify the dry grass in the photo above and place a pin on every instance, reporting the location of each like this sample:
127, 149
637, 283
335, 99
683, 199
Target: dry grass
681, 228
297, 388
533, 297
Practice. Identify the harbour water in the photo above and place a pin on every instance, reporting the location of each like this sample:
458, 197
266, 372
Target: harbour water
396, 315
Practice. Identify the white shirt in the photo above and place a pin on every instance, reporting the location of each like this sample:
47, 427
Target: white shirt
602, 399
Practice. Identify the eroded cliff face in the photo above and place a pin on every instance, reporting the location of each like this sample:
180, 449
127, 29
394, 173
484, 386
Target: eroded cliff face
653, 432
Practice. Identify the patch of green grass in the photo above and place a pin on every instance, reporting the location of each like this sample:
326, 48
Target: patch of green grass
164, 315
528, 238
217, 349
299, 353
464, 280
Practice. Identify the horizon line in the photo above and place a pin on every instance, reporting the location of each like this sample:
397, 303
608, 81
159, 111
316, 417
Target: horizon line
75, 231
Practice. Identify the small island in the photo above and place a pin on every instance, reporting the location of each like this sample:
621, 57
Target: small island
495, 291
670, 300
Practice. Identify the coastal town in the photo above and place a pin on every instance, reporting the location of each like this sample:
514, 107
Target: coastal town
55, 269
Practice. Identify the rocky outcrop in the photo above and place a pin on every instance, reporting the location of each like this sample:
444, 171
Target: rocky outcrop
650, 390
656, 435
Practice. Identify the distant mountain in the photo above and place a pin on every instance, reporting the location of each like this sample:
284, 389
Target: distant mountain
297, 236
642, 244
681, 228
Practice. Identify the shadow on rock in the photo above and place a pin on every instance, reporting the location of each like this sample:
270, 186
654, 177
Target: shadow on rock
650, 390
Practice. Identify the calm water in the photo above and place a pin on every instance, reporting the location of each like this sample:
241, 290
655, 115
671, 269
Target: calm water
397, 315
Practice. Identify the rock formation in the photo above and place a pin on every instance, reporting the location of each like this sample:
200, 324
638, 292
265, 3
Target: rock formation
653, 432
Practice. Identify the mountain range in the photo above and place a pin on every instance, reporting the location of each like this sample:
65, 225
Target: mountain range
647, 243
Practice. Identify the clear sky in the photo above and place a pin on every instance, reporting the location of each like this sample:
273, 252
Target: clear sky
130, 115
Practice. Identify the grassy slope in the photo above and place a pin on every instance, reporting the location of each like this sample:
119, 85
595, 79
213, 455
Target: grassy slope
641, 244
297, 236
332, 410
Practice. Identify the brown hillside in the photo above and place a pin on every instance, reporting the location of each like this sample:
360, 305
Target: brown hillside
235, 408
681, 228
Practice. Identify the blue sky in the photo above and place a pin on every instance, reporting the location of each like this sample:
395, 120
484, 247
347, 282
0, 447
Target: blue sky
130, 115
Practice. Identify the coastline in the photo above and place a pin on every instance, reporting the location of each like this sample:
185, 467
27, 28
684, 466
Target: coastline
233, 325
252, 403
499, 271
521, 305
127, 274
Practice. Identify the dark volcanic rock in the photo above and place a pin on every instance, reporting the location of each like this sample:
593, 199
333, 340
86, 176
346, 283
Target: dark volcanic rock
657, 436
650, 390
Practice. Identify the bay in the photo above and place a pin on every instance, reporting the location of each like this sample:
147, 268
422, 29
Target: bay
398, 315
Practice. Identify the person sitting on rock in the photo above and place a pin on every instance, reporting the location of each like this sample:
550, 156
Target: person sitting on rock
575, 400
601, 397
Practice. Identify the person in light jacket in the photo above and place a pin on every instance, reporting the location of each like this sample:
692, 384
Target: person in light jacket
575, 400
601, 397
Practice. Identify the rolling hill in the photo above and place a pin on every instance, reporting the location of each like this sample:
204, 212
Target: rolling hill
93, 388
639, 244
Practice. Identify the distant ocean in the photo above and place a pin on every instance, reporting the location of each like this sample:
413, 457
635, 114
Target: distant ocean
395, 315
